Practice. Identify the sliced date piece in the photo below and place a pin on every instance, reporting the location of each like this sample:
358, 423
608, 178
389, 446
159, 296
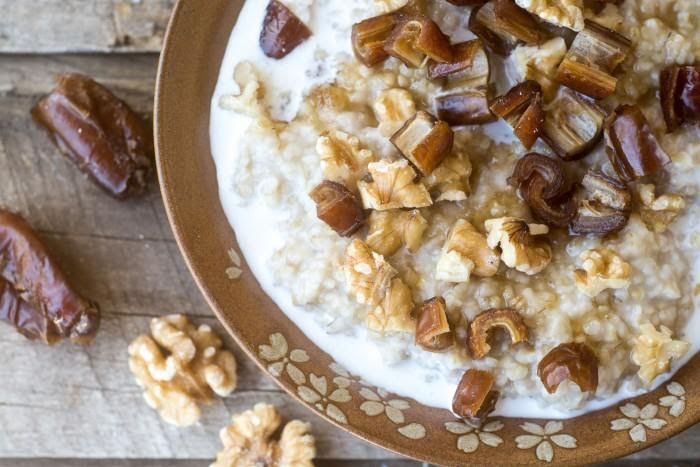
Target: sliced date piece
338, 207
680, 95
481, 327
632, 148
470, 107
502, 25
475, 397
604, 205
433, 331
573, 125
99, 133
468, 69
424, 141
592, 59
522, 108
572, 361
35, 295
542, 183
282, 31
369, 37
416, 39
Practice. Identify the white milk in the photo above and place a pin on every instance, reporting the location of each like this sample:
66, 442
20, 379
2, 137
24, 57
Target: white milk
287, 80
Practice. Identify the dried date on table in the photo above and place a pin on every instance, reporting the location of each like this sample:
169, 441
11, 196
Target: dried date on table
282, 31
99, 133
35, 295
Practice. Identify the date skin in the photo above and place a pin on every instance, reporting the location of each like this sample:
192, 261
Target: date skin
35, 295
99, 133
282, 31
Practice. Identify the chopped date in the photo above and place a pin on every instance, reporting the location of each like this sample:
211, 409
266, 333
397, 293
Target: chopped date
282, 31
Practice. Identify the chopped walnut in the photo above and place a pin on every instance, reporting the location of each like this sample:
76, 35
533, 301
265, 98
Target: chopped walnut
465, 252
602, 269
388, 230
194, 368
249, 100
540, 63
247, 441
367, 274
653, 351
566, 13
342, 158
393, 186
393, 314
658, 212
393, 108
450, 180
523, 246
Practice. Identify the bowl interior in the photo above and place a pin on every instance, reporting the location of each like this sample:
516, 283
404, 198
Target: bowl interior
195, 44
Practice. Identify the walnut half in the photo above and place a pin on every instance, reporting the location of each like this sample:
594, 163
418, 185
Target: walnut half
465, 252
194, 368
523, 246
393, 186
602, 269
248, 441
653, 351
367, 274
342, 158
388, 230
393, 314
658, 212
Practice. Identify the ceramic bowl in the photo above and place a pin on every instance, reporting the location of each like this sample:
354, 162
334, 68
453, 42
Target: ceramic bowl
195, 43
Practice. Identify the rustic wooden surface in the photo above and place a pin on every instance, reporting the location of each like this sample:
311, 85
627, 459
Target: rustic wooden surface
74, 406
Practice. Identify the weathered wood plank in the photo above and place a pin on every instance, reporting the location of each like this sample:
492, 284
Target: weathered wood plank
54, 399
52, 26
123, 256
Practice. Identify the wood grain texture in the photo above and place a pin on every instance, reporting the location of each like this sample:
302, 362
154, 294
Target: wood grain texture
53, 26
74, 402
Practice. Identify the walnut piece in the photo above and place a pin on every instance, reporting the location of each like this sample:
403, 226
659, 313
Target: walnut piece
653, 351
540, 63
393, 314
465, 252
450, 180
393, 186
566, 13
342, 158
180, 366
523, 246
367, 275
388, 230
602, 269
247, 441
392, 109
249, 100
658, 212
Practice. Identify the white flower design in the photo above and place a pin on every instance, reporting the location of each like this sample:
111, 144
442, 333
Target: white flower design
637, 420
235, 271
541, 437
343, 377
675, 401
472, 434
276, 353
376, 403
318, 395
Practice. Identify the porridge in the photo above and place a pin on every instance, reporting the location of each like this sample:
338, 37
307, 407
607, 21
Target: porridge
444, 201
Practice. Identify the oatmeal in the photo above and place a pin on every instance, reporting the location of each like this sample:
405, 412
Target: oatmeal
586, 248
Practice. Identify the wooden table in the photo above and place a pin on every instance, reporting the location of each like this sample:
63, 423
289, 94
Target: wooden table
79, 406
